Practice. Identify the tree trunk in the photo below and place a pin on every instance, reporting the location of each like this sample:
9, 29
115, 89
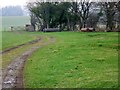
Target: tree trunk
84, 24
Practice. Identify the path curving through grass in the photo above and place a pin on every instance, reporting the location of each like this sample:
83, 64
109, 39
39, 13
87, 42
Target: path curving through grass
13, 73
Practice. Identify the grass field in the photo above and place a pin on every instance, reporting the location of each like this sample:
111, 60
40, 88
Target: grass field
75, 60
15, 21
11, 39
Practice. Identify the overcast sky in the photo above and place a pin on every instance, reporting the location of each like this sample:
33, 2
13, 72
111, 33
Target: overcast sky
4, 3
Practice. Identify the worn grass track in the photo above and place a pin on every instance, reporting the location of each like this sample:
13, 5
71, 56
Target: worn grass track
15, 43
12, 75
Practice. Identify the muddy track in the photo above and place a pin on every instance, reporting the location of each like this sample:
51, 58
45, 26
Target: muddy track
13, 74
10, 49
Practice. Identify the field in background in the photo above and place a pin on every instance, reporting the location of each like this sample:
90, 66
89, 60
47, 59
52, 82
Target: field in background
15, 21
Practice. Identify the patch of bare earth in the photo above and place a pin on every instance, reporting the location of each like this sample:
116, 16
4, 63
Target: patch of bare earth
13, 75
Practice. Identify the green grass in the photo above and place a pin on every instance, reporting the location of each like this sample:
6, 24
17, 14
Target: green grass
15, 21
11, 39
76, 60
0, 40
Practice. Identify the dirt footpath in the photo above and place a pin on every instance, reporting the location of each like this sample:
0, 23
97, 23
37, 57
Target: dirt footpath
13, 74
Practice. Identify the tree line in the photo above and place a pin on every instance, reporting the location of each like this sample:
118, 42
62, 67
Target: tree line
73, 15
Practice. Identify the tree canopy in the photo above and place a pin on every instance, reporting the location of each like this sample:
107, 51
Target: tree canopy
70, 15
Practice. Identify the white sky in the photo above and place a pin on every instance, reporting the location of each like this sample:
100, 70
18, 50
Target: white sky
4, 3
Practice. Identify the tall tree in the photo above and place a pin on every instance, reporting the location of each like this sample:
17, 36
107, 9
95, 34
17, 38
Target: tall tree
33, 21
118, 12
50, 14
75, 15
84, 11
94, 15
110, 10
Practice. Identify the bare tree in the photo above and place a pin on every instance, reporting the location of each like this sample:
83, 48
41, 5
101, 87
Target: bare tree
84, 11
110, 10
